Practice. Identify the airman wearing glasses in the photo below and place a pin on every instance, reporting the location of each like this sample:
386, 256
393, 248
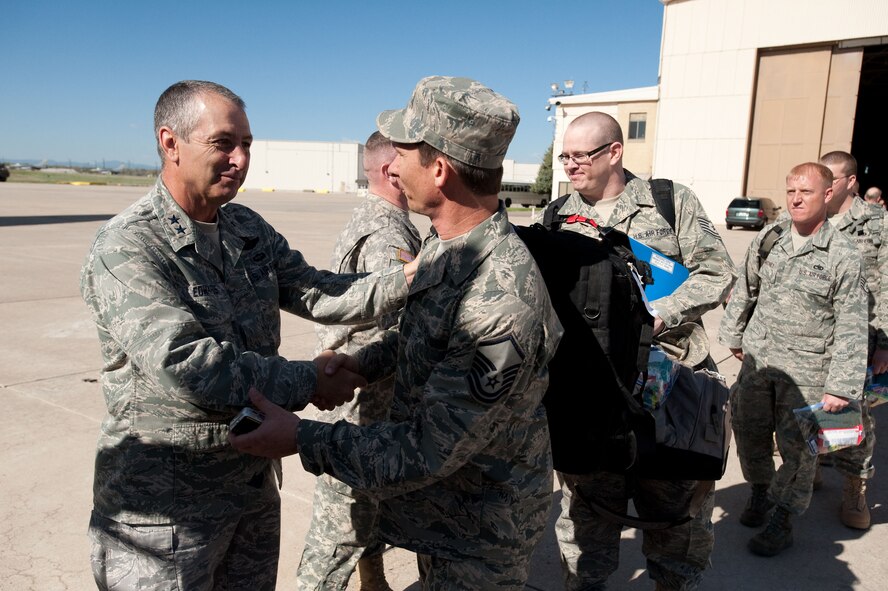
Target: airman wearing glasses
592, 156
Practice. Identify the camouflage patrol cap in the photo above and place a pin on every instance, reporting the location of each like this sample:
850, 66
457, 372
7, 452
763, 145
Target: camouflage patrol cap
460, 117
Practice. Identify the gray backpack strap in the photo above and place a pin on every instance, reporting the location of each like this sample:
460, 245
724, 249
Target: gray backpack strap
770, 239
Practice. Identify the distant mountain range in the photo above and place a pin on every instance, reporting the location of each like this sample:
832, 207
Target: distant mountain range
104, 164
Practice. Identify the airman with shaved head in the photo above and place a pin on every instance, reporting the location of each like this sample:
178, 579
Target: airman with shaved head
612, 197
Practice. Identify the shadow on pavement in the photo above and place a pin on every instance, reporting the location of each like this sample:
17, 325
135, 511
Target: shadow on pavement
34, 220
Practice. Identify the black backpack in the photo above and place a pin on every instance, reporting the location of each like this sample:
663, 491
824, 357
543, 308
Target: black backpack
594, 287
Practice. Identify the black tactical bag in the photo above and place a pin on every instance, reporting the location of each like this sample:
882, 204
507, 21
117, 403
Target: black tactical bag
604, 350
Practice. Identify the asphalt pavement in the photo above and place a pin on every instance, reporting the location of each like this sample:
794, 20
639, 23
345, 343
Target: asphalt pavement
53, 406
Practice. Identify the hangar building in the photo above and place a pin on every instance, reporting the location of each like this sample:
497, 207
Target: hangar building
749, 89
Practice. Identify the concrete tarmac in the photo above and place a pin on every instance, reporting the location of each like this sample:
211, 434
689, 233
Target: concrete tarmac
53, 406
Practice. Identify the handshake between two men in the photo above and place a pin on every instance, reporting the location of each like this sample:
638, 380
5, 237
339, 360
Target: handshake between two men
338, 376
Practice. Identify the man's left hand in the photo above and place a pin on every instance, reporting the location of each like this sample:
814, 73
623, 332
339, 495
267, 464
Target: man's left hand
833, 403
275, 437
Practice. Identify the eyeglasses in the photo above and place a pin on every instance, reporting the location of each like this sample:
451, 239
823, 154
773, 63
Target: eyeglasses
583, 157
838, 178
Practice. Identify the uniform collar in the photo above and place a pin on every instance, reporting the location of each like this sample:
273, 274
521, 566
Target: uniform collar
178, 227
181, 230
820, 240
385, 205
463, 254
635, 195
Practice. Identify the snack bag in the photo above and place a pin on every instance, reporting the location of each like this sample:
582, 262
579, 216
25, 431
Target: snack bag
661, 376
826, 432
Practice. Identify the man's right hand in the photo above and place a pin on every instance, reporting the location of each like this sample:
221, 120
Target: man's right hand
410, 270
338, 386
738, 353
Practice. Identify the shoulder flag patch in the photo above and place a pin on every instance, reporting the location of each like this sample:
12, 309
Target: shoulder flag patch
494, 368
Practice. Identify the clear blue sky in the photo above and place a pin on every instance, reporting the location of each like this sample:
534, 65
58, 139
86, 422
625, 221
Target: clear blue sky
79, 79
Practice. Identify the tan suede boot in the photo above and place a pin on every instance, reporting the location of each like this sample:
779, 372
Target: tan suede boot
855, 512
372, 573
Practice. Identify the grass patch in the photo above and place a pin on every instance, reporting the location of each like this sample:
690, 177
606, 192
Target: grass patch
121, 180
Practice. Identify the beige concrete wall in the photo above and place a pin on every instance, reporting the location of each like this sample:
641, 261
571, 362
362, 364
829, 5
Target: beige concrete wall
638, 155
707, 79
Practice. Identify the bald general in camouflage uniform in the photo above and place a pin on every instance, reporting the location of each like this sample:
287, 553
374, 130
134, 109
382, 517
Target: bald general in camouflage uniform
186, 296
797, 320
615, 198
865, 225
343, 522
463, 470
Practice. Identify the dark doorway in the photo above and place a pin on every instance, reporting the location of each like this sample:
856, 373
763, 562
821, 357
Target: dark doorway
870, 141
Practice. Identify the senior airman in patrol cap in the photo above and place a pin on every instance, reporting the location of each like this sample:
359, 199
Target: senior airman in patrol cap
797, 319
463, 469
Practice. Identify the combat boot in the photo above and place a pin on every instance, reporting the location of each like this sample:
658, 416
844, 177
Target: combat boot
372, 574
775, 538
855, 512
757, 507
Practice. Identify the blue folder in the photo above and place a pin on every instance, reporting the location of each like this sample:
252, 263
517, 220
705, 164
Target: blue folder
667, 274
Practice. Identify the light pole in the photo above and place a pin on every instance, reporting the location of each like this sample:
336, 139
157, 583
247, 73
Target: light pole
565, 90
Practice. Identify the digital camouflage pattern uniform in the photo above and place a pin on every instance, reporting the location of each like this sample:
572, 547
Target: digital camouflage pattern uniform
800, 318
589, 544
463, 470
864, 225
379, 235
182, 341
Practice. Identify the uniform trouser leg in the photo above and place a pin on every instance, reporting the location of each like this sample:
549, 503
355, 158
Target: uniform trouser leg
240, 553
676, 556
441, 574
763, 403
342, 530
753, 423
590, 544
857, 461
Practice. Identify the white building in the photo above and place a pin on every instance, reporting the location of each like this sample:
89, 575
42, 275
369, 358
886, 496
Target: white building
749, 89
518, 173
330, 167
322, 167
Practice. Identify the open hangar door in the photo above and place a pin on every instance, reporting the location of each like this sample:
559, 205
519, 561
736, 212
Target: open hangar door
870, 141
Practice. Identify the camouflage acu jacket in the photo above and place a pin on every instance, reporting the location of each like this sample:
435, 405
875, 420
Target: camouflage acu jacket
803, 313
864, 224
464, 467
182, 340
694, 243
379, 235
